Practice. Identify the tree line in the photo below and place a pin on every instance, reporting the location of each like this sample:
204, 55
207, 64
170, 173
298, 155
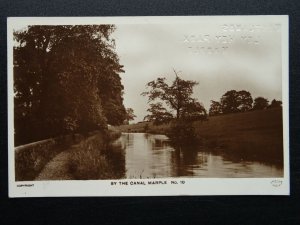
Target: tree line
240, 101
174, 102
66, 79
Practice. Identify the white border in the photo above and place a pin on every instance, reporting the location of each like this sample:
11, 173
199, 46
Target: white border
192, 186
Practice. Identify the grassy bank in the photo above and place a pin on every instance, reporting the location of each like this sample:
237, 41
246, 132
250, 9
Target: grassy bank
91, 158
249, 135
255, 134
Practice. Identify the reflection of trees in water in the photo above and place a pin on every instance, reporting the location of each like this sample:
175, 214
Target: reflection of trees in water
116, 157
156, 142
184, 159
159, 144
129, 139
154, 154
246, 158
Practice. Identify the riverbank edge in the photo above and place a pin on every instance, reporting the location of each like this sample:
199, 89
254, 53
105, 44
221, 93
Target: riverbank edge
88, 160
31, 158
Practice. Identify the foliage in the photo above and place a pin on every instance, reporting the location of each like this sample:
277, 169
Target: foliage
193, 111
66, 79
240, 101
159, 114
215, 108
236, 101
260, 103
275, 104
114, 112
172, 101
130, 114
182, 133
231, 102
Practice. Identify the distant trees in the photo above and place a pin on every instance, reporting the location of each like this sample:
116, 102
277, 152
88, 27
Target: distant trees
260, 103
173, 102
240, 101
236, 101
275, 104
231, 102
215, 108
66, 79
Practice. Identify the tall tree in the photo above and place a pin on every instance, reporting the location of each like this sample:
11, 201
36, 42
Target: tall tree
173, 101
64, 78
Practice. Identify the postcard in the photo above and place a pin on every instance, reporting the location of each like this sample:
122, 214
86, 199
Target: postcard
148, 106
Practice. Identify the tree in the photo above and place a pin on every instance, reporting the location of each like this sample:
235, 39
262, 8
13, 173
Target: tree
114, 114
275, 104
173, 101
130, 114
229, 102
158, 114
260, 103
245, 101
215, 108
66, 79
193, 111
236, 101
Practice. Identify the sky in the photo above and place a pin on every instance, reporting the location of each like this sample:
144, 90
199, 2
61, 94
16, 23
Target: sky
220, 57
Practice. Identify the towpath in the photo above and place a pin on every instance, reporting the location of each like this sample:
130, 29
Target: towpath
57, 168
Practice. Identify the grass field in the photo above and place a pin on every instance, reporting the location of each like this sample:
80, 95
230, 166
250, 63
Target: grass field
254, 134
257, 134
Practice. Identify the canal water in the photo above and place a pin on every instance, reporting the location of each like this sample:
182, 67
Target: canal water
152, 156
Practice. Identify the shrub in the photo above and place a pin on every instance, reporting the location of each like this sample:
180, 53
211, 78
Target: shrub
182, 133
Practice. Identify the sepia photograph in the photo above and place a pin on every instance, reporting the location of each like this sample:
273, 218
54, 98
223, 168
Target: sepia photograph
148, 104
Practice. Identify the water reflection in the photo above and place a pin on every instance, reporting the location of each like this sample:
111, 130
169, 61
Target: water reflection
149, 156
115, 154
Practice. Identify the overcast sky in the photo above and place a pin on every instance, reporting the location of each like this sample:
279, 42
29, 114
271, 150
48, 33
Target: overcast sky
242, 56
245, 58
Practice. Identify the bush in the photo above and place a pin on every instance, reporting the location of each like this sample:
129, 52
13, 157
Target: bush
182, 133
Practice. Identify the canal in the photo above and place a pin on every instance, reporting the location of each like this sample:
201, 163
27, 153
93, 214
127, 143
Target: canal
152, 156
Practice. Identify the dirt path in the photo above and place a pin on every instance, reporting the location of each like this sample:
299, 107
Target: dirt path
56, 169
